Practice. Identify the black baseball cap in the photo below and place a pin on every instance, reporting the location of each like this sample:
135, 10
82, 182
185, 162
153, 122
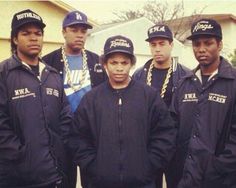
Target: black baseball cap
118, 43
159, 31
208, 27
24, 17
76, 17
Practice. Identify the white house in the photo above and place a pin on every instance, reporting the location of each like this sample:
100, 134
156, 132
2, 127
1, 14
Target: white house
136, 30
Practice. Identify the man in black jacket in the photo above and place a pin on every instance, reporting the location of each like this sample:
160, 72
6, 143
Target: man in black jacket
205, 104
79, 68
123, 132
161, 72
35, 116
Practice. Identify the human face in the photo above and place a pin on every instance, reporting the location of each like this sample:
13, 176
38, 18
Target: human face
29, 41
118, 67
161, 50
75, 37
207, 51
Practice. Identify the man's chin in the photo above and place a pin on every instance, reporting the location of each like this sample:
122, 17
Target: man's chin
33, 55
204, 63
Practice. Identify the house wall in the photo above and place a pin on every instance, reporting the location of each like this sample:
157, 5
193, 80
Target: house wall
229, 42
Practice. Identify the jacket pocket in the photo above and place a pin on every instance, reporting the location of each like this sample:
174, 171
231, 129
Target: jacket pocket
212, 177
13, 155
91, 169
9, 176
150, 172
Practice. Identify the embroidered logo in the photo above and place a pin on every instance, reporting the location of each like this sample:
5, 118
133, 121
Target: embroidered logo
28, 15
78, 16
217, 98
119, 42
203, 26
190, 97
51, 91
157, 29
22, 93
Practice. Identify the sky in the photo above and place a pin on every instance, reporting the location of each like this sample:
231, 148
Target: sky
102, 11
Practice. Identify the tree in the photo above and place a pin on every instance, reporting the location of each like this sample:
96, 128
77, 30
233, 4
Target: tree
232, 57
159, 11
128, 15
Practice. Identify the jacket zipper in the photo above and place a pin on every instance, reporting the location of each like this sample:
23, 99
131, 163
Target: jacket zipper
120, 134
47, 128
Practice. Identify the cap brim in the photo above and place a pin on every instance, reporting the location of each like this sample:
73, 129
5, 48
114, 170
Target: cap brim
191, 37
121, 51
88, 26
159, 36
40, 24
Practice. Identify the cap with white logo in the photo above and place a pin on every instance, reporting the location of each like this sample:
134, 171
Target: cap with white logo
207, 27
118, 43
76, 17
24, 17
159, 31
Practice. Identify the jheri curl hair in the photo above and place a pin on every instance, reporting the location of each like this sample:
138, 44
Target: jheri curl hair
103, 59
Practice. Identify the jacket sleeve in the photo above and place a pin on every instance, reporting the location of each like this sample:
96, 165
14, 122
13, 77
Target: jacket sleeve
10, 145
163, 132
226, 161
81, 140
137, 74
221, 168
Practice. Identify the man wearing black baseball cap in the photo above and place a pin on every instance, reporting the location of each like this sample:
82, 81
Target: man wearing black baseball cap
35, 116
205, 105
162, 71
124, 131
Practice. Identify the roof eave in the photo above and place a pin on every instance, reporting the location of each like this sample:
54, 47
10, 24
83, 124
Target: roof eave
69, 8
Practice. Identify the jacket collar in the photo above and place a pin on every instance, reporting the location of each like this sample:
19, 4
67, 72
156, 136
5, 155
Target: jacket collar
174, 64
224, 70
15, 62
115, 90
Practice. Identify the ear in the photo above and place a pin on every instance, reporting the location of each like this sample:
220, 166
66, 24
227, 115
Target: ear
15, 41
172, 44
220, 45
64, 32
105, 66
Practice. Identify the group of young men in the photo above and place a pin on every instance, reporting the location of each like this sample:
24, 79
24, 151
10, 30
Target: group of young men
73, 107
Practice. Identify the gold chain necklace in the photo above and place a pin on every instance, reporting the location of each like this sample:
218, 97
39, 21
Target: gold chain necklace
68, 72
166, 81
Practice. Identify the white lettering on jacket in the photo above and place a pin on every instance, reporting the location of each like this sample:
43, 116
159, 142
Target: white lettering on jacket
190, 97
217, 98
51, 91
22, 93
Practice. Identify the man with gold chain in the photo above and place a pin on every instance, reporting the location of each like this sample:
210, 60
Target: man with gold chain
79, 68
162, 71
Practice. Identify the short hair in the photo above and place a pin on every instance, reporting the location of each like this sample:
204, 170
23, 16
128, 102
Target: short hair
14, 34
